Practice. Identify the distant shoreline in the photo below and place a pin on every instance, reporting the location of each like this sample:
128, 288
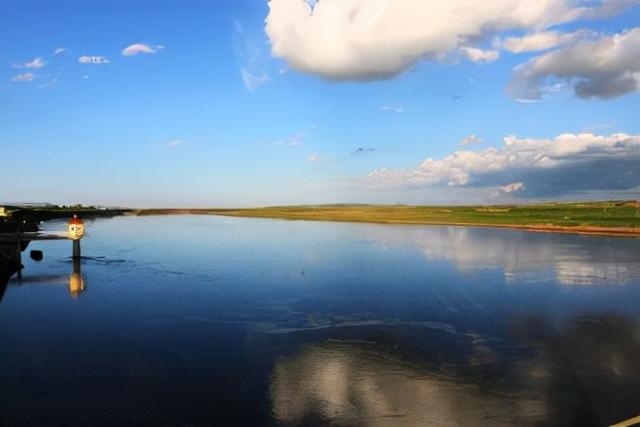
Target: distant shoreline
611, 218
617, 218
28, 218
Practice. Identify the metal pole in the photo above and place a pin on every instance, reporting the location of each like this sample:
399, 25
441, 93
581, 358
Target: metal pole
76, 249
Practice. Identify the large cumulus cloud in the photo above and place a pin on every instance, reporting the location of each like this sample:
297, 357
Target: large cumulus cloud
603, 68
566, 164
377, 39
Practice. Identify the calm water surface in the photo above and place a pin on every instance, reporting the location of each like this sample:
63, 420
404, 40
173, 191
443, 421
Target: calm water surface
199, 320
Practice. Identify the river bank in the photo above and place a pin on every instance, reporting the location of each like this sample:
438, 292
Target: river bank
616, 218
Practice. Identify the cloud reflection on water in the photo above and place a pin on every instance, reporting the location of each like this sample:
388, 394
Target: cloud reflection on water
348, 383
582, 374
525, 256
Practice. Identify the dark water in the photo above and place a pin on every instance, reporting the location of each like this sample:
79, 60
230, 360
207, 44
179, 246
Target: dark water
198, 321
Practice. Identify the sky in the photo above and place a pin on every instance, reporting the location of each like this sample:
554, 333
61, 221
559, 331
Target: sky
254, 103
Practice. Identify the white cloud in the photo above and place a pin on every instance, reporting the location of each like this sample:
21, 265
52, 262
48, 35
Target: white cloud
137, 48
49, 83
567, 162
378, 39
25, 77
60, 50
35, 63
606, 8
604, 68
253, 81
479, 56
542, 40
392, 109
512, 188
252, 56
527, 101
315, 157
174, 143
86, 59
471, 139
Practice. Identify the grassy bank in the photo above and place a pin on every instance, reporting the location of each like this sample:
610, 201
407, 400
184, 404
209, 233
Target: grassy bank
594, 217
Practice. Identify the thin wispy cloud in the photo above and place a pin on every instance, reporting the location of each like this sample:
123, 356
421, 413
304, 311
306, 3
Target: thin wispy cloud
138, 48
362, 151
315, 157
23, 78
253, 81
175, 143
527, 101
60, 50
48, 83
252, 55
35, 63
96, 59
392, 109
294, 140
471, 139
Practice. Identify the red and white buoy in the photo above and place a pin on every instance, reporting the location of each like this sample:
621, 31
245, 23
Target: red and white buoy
76, 232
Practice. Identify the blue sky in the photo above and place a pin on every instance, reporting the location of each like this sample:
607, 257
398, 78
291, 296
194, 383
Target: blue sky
217, 117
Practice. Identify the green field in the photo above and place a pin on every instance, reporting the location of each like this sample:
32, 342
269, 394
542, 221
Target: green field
611, 215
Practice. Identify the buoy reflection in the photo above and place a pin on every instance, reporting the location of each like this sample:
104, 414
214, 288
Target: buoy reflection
76, 280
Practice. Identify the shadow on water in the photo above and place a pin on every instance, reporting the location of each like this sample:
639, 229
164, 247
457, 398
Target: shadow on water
8, 266
590, 371
5, 275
